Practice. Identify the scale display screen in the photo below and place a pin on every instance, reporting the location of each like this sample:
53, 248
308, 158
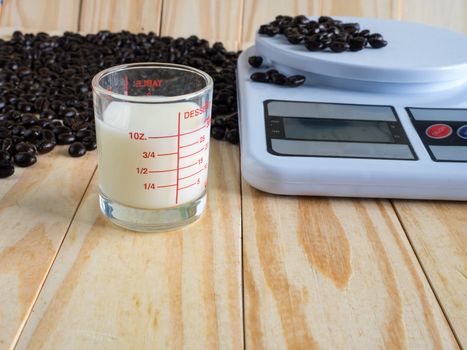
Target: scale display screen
318, 129
337, 130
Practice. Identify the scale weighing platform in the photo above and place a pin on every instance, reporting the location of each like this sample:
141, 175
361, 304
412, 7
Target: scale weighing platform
389, 123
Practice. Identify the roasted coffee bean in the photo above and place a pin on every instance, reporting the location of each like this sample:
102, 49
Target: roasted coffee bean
61, 129
45, 146
278, 79
81, 134
295, 80
6, 168
24, 159
4, 133
314, 45
232, 136
339, 46
65, 138
357, 43
377, 43
90, 143
295, 38
25, 147
28, 119
255, 61
4, 155
77, 149
259, 77
47, 114
217, 132
320, 35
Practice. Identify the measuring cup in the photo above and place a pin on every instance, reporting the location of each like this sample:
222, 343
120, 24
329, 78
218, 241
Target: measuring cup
152, 128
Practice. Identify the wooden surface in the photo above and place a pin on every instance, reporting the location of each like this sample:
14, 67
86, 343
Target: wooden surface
257, 271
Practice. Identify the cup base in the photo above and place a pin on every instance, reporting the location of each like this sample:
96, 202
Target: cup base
152, 220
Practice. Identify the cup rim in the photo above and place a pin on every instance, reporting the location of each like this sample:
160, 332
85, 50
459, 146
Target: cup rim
97, 88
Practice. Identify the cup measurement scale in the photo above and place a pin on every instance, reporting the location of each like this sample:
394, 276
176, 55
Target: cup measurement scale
165, 165
388, 123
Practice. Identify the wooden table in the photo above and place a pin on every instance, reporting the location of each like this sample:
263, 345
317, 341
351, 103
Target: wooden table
257, 270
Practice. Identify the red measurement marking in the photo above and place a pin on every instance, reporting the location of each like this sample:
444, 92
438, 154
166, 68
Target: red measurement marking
178, 158
182, 188
166, 154
126, 85
192, 131
186, 177
161, 171
191, 154
177, 135
162, 137
166, 185
188, 166
191, 144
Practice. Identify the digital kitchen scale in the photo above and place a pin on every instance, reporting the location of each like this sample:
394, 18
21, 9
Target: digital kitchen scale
388, 122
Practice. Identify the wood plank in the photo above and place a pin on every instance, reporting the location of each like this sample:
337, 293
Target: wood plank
115, 289
362, 8
209, 19
450, 14
258, 12
36, 207
438, 233
115, 15
44, 15
333, 274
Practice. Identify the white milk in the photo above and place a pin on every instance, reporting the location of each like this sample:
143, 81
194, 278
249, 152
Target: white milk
153, 155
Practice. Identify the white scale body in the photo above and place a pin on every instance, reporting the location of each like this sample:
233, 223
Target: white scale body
388, 123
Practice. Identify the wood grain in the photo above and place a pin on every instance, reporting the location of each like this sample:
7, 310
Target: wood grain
44, 14
115, 15
258, 12
316, 268
209, 19
438, 233
114, 289
36, 207
363, 8
450, 14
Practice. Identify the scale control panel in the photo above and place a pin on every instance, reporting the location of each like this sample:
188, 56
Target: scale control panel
443, 131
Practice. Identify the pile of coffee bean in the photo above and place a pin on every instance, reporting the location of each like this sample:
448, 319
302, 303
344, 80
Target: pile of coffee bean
272, 75
45, 87
323, 33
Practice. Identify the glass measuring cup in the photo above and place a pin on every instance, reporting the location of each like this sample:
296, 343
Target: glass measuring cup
152, 128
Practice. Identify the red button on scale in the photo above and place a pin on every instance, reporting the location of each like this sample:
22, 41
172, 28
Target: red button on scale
438, 131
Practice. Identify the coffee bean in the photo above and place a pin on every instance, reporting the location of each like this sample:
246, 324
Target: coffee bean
357, 43
255, 61
89, 143
339, 46
295, 38
24, 159
278, 79
218, 132
377, 43
45, 146
321, 34
232, 136
25, 147
4, 155
295, 80
65, 138
259, 77
77, 149
6, 168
